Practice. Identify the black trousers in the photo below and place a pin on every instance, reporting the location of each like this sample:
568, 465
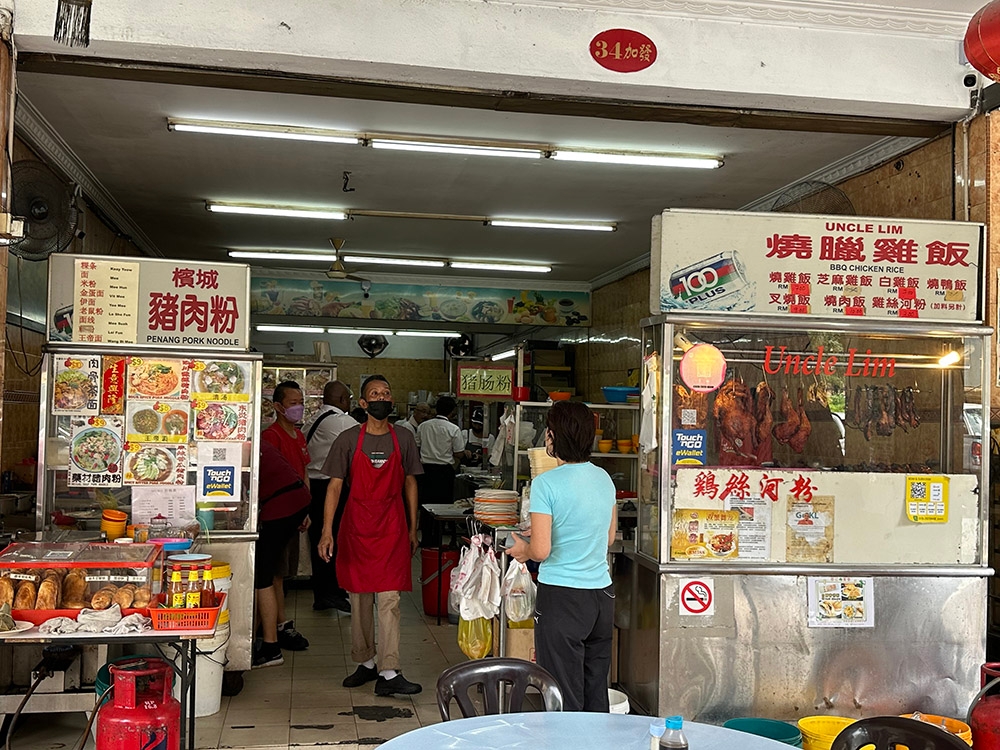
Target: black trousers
324, 574
437, 484
573, 641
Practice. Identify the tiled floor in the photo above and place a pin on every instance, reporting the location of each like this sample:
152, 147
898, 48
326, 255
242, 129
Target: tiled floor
302, 702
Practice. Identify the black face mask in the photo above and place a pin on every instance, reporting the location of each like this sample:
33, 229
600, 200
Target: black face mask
379, 409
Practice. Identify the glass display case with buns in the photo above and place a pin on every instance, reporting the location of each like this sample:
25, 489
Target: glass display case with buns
42, 580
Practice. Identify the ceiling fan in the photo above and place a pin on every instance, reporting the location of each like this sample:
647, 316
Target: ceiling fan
337, 270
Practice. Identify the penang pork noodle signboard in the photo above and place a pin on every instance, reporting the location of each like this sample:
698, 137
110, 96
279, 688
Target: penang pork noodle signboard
806, 265
150, 303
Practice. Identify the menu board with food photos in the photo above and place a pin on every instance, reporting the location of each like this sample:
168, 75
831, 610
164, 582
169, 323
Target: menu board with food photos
157, 421
221, 381
158, 379
75, 385
221, 421
156, 464
95, 452
841, 602
134, 420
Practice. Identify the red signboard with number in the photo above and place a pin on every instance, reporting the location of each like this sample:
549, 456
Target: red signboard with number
623, 50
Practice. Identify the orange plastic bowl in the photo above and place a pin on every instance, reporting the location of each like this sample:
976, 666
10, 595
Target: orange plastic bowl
559, 395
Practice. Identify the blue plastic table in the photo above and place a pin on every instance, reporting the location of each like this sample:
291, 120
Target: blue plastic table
559, 730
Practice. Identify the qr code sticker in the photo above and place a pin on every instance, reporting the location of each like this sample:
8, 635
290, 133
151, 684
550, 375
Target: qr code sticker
918, 490
218, 454
689, 416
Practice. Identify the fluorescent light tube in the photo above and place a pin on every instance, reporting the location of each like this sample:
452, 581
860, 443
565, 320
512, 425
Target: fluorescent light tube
461, 149
430, 334
280, 255
255, 130
359, 331
639, 159
504, 355
373, 260
541, 224
287, 211
289, 329
499, 267
949, 359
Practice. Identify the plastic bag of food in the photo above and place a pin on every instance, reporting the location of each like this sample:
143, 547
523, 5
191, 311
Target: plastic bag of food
475, 637
518, 592
478, 583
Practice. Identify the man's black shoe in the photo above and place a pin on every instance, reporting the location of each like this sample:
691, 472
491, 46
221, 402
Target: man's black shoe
340, 604
398, 685
361, 675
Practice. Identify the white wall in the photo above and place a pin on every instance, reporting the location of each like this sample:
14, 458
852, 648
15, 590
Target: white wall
834, 57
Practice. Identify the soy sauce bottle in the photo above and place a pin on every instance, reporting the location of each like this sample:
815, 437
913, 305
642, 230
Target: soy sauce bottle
673, 738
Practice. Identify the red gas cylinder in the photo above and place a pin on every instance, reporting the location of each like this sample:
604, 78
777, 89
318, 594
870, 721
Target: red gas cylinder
984, 713
142, 714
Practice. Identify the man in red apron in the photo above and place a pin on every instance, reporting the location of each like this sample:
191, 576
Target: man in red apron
378, 533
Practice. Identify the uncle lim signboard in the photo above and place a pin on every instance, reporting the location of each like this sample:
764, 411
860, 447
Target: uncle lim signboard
826, 266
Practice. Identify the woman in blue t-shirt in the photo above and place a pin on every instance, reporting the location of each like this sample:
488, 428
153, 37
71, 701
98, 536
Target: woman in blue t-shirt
573, 520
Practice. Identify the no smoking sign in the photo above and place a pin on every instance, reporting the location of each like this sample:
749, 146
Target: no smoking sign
697, 596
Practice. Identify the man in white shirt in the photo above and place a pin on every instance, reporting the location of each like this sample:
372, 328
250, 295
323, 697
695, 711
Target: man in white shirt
331, 420
421, 413
441, 445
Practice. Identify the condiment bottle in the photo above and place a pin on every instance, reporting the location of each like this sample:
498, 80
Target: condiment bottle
157, 527
175, 591
192, 592
673, 738
655, 732
207, 587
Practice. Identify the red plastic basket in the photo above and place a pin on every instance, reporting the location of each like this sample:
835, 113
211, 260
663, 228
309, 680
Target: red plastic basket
203, 618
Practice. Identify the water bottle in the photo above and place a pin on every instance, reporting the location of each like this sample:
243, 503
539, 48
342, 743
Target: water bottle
655, 732
673, 738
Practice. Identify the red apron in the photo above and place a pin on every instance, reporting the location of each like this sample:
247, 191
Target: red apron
373, 546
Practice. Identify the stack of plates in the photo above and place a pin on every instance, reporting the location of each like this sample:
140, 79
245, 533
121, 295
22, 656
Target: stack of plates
541, 461
496, 507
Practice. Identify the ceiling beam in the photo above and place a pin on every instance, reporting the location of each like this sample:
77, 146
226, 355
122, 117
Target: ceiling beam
500, 101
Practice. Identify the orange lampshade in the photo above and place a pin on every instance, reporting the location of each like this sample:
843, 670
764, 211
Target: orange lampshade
703, 368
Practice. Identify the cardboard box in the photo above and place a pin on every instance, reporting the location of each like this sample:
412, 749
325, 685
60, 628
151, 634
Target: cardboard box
548, 357
521, 643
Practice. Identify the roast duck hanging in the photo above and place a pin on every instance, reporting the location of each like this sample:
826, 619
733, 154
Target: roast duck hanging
880, 409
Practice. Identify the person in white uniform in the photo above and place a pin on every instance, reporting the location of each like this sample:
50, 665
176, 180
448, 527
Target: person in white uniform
421, 413
441, 445
331, 420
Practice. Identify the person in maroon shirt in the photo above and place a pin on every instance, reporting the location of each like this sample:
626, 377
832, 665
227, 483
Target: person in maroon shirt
283, 502
285, 435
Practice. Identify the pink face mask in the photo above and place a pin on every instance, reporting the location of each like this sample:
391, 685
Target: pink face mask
295, 413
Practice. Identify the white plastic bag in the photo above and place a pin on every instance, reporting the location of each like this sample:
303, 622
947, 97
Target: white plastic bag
518, 592
478, 581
